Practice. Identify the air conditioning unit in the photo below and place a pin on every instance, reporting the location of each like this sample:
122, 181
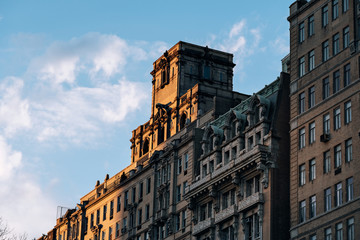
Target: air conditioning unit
325, 137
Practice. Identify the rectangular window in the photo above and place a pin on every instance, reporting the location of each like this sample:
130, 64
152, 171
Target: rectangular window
302, 66
328, 233
347, 112
327, 199
338, 195
249, 187
126, 199
349, 189
345, 5
133, 195
312, 170
302, 211
311, 25
325, 16
312, 237
350, 229
124, 223
348, 150
225, 200
178, 193
327, 162
210, 209
177, 222
103, 234
347, 75
346, 37
336, 81
147, 212
302, 138
302, 175
139, 220
326, 123
312, 209
117, 230
97, 217
301, 32
335, 9
337, 118
311, 96
186, 161
141, 190
301, 102
118, 207
203, 212
148, 185
184, 187
337, 156
311, 56
104, 212
111, 209
326, 88
339, 231
183, 219
179, 163
110, 233
336, 44
325, 51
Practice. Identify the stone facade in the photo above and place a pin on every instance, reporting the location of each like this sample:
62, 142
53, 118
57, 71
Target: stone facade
324, 110
209, 164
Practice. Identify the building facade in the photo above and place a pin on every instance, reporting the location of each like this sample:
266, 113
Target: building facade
210, 163
325, 98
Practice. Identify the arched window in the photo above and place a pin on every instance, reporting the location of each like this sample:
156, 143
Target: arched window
146, 146
182, 121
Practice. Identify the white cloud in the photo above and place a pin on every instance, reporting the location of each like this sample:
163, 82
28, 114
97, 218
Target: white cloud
21, 195
281, 45
14, 110
237, 28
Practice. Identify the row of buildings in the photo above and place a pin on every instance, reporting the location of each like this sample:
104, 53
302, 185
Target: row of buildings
212, 163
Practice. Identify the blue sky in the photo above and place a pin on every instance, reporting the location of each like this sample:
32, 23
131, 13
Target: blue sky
74, 83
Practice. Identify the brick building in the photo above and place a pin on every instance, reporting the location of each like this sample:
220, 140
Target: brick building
204, 145
325, 98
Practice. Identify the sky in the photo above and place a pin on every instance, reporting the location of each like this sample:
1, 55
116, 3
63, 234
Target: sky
75, 81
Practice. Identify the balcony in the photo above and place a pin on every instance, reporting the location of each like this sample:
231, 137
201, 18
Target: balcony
250, 201
203, 225
226, 213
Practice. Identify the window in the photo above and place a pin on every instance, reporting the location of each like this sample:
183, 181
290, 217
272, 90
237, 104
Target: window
312, 170
210, 209
133, 195
148, 185
326, 88
311, 56
302, 211
325, 51
139, 217
339, 231
326, 123
335, 9
311, 96
311, 25
350, 229
327, 160
349, 189
301, 102
312, 237
336, 44
302, 175
325, 16
147, 211
178, 193
124, 223
346, 37
141, 190
249, 187
177, 222
97, 217
348, 112
338, 196
337, 154
327, 199
118, 207
345, 5
111, 209
186, 161
336, 81
225, 200
302, 138
184, 187
117, 229
312, 209
183, 219
328, 233
126, 199
348, 150
337, 119
104, 212
346, 75
91, 220
301, 32
179, 162
110, 233
206, 72
302, 66
203, 212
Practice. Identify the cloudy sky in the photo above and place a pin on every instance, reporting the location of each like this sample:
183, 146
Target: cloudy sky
74, 83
